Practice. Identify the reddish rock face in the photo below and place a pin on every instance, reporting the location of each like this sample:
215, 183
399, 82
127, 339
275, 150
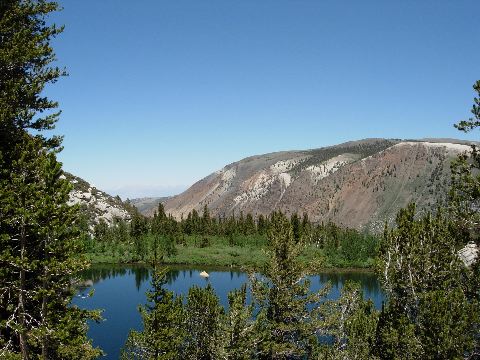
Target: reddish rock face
358, 184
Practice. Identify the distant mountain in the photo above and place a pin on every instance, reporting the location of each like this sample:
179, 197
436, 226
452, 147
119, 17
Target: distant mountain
147, 205
96, 204
359, 184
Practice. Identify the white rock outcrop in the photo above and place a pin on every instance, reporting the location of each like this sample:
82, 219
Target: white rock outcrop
468, 254
97, 203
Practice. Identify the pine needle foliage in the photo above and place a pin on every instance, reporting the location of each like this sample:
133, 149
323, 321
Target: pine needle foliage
286, 324
203, 317
238, 326
465, 189
39, 248
40, 254
162, 318
429, 314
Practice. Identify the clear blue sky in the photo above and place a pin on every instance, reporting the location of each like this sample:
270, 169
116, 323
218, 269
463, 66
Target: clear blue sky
162, 93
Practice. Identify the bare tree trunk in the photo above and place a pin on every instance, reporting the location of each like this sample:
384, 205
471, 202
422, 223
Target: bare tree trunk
21, 297
44, 303
44, 322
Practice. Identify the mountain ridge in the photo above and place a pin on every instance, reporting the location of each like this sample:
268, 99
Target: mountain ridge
359, 184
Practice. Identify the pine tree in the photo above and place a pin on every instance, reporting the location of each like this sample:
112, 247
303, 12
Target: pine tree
195, 222
465, 187
350, 323
306, 226
238, 327
162, 334
465, 199
161, 212
261, 224
206, 222
427, 288
38, 230
287, 321
249, 225
41, 251
25, 69
138, 229
171, 237
296, 227
241, 224
203, 315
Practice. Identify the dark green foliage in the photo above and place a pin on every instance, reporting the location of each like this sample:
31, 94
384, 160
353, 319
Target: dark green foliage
206, 222
205, 242
39, 232
138, 227
425, 251
465, 189
296, 227
433, 309
350, 323
238, 327
396, 335
203, 315
25, 69
447, 324
429, 315
344, 247
40, 253
162, 335
261, 225
286, 324
124, 242
249, 226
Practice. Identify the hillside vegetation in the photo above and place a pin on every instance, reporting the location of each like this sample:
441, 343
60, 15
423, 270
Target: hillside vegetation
234, 241
359, 184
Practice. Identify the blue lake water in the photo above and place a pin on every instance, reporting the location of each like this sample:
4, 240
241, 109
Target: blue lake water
120, 289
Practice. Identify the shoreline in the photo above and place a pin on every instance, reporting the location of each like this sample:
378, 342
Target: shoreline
236, 268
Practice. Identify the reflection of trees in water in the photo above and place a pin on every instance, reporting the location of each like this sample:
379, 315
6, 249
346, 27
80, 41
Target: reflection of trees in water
142, 274
238, 274
368, 281
172, 276
101, 272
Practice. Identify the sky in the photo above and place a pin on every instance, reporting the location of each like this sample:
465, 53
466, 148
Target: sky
162, 93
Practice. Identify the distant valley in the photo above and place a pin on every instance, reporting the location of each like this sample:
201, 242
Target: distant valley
146, 205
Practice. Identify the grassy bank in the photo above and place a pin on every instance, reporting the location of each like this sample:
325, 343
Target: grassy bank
238, 251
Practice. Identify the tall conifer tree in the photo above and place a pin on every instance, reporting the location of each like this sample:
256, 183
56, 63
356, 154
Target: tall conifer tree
39, 251
162, 334
286, 324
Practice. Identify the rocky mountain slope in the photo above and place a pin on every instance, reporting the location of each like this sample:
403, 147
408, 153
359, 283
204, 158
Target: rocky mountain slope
359, 184
147, 204
97, 205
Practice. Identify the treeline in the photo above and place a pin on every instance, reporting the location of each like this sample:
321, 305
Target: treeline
134, 240
430, 313
284, 320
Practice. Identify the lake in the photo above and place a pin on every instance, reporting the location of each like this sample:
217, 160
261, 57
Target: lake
120, 289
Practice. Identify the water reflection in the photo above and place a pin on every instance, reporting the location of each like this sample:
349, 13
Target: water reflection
120, 289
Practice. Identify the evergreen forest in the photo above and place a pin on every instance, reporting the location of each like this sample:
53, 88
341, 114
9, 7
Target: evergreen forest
433, 298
